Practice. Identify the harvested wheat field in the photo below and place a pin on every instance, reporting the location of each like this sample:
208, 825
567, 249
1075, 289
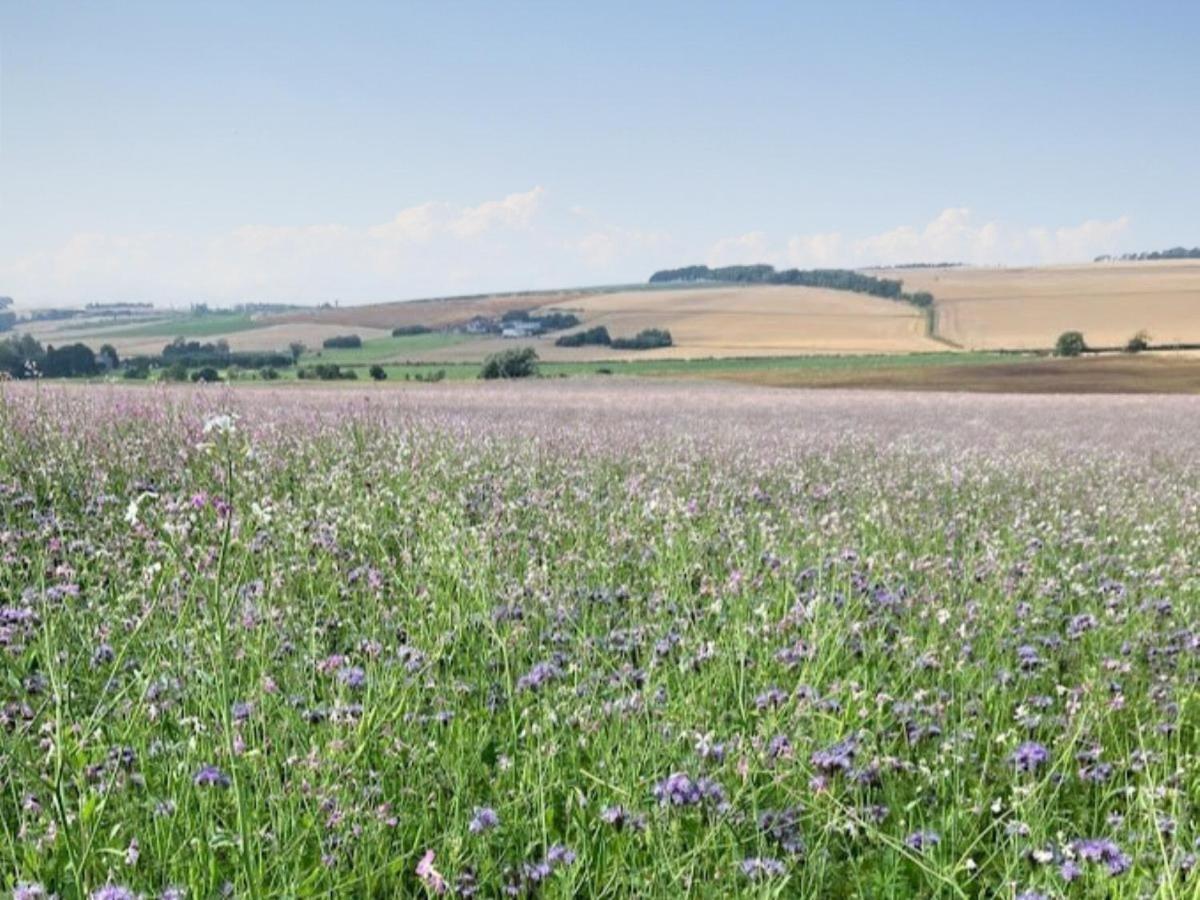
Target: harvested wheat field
736, 321
268, 337
989, 309
433, 313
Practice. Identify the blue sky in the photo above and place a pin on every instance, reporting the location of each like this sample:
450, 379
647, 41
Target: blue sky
373, 151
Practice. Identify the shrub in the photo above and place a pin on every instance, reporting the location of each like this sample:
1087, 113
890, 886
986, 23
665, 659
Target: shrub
69, 361
342, 342
408, 330
1138, 343
510, 364
377, 373
557, 321
175, 372
647, 339
268, 374
206, 374
327, 372
1070, 343
194, 354
597, 336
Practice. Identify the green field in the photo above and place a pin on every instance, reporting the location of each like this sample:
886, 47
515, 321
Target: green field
707, 368
189, 326
386, 349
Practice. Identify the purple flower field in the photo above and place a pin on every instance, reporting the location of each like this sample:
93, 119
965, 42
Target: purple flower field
595, 639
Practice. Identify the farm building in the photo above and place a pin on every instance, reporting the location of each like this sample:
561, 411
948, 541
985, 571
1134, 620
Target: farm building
521, 328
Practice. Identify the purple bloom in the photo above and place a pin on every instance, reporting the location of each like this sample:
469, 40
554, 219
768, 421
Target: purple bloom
783, 827
921, 840
779, 746
1102, 850
678, 789
560, 855
211, 776
113, 892
759, 867
103, 653
352, 677
533, 874
485, 819
770, 698
27, 891
1030, 756
1096, 774
1028, 658
536, 872
620, 818
837, 758
537, 676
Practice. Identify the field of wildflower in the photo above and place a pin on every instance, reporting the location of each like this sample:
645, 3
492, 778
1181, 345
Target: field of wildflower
577, 639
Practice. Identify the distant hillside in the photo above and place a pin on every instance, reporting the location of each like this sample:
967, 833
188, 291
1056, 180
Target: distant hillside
1027, 308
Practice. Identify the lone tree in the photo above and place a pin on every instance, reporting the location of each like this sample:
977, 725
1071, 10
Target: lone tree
1070, 343
1138, 343
510, 364
297, 349
378, 373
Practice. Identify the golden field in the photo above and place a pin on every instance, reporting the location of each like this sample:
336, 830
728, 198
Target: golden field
723, 322
1026, 309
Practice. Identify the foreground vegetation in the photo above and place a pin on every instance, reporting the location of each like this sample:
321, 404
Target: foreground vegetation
577, 640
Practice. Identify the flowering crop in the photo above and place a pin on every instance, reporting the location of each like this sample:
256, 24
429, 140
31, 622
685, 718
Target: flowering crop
578, 639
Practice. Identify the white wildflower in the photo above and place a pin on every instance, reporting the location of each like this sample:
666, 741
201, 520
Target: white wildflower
222, 424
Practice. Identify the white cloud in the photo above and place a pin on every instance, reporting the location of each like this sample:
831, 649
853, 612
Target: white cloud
953, 236
519, 241
609, 246
523, 240
514, 211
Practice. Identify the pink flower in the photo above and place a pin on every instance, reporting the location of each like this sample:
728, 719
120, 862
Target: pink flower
432, 877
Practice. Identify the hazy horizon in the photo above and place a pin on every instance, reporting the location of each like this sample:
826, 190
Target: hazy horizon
287, 153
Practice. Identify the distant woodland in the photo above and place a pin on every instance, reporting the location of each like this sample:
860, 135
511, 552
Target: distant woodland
1173, 253
831, 279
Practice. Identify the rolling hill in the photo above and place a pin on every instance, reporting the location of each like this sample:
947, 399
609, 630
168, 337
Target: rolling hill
1026, 309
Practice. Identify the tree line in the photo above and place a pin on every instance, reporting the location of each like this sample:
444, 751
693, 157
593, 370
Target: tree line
25, 357
831, 279
646, 339
1173, 253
